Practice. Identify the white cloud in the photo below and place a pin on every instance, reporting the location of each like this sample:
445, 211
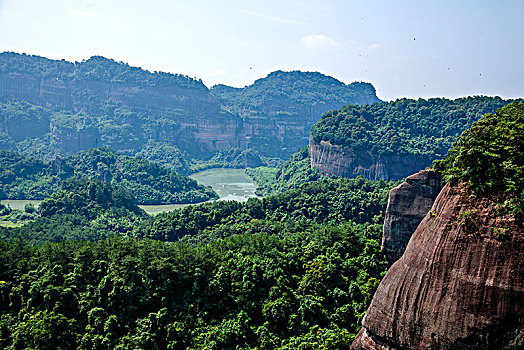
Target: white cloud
87, 13
316, 41
267, 17
373, 46
217, 73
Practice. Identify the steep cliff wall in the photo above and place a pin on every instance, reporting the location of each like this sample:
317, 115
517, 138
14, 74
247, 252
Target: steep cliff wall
197, 124
459, 284
72, 140
408, 204
133, 106
46, 92
339, 161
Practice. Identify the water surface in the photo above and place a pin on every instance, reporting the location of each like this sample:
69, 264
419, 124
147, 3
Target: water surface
229, 184
20, 203
155, 209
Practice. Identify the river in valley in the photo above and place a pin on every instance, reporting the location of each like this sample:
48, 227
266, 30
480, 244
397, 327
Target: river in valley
229, 184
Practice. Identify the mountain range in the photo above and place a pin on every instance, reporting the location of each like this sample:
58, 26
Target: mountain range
50, 107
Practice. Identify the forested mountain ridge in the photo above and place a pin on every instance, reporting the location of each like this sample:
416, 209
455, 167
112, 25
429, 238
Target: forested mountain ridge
293, 94
30, 178
54, 106
395, 139
459, 284
96, 68
391, 140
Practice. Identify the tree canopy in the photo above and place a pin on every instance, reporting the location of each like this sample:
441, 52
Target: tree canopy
29, 178
424, 128
489, 156
297, 269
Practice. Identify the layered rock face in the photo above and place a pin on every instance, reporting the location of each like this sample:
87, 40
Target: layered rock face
459, 284
339, 161
196, 114
408, 204
133, 106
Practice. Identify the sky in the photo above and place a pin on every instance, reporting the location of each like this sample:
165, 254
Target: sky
416, 48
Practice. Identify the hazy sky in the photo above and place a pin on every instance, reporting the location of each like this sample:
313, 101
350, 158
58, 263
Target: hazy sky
416, 48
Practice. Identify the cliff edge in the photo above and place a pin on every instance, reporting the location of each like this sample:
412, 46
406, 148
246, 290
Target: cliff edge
459, 284
343, 162
408, 204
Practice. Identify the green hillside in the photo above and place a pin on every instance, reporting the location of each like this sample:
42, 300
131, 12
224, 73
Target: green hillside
29, 178
489, 156
50, 107
408, 127
292, 270
290, 94
255, 274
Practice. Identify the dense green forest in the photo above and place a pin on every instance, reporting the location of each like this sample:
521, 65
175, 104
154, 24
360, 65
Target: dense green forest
413, 128
96, 68
286, 94
29, 178
307, 289
294, 269
81, 209
93, 208
425, 128
50, 107
323, 202
489, 156
290, 175
89, 269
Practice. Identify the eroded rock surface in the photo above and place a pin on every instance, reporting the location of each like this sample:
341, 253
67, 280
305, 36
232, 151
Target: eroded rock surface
131, 107
408, 204
459, 284
339, 161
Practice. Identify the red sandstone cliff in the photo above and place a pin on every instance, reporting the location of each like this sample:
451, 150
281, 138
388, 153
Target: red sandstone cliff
459, 284
408, 204
339, 161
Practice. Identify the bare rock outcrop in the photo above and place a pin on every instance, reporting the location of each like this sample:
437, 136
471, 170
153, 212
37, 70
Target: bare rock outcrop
339, 161
408, 204
459, 284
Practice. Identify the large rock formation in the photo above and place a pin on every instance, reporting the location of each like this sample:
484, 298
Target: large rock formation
459, 284
131, 106
339, 161
408, 204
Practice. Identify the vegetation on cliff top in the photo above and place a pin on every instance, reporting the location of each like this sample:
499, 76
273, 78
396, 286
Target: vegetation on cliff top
405, 127
28, 178
490, 155
285, 93
96, 68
